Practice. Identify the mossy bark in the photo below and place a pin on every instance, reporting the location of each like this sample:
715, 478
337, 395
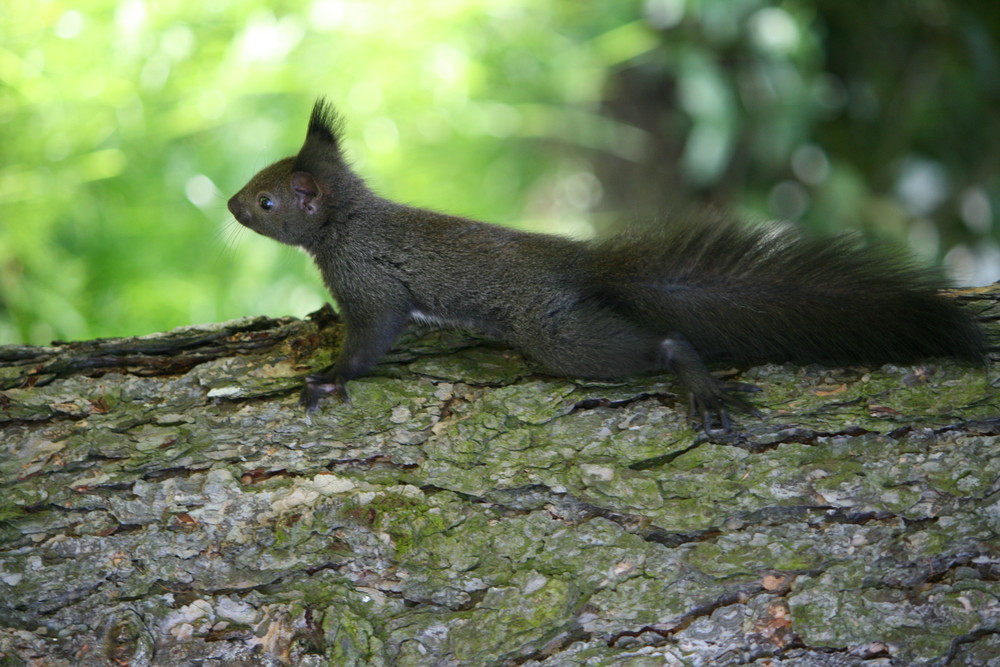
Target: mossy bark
165, 502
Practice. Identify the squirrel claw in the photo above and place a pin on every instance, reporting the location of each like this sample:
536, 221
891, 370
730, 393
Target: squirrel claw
708, 409
318, 386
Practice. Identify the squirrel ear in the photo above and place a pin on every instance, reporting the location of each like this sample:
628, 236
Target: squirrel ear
307, 191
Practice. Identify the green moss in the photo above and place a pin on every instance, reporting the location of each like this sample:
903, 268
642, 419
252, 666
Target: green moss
531, 611
351, 638
627, 489
477, 366
405, 515
777, 549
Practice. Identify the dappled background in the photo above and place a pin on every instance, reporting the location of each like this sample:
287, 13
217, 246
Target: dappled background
126, 124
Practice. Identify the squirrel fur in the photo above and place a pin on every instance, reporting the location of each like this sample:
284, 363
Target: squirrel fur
671, 299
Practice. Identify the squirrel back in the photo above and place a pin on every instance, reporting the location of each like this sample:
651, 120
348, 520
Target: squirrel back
637, 302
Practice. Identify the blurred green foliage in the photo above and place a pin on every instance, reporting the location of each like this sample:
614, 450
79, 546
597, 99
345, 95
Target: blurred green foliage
126, 124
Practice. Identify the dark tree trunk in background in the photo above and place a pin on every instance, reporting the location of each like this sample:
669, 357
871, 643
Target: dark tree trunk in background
884, 88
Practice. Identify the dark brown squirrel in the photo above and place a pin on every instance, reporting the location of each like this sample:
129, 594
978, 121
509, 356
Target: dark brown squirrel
641, 301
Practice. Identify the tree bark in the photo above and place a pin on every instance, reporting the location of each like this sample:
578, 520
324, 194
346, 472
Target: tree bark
166, 502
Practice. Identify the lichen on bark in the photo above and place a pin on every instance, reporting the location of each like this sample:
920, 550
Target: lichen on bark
165, 501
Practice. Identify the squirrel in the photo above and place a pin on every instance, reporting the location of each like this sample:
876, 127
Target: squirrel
672, 299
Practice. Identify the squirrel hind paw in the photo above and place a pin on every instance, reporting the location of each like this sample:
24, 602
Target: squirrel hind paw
708, 409
318, 386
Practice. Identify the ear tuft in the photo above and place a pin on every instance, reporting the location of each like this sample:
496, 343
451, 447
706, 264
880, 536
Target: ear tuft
320, 156
325, 123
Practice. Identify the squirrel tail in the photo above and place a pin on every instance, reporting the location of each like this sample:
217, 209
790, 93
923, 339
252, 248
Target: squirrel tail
766, 293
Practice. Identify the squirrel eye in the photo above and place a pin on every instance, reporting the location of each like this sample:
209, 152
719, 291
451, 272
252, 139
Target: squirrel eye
265, 203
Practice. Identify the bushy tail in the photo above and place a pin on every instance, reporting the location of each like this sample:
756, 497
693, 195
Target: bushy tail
766, 293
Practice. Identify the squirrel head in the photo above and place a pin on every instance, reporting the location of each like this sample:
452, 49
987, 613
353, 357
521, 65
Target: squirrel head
292, 200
